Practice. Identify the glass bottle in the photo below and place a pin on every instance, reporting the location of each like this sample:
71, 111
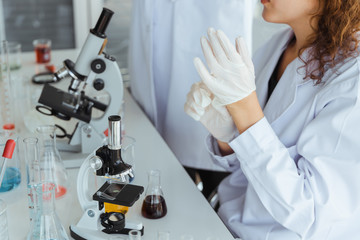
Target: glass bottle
52, 168
32, 172
46, 225
12, 176
154, 205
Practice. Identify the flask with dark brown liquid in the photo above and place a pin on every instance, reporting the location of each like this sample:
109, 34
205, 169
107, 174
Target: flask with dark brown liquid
154, 205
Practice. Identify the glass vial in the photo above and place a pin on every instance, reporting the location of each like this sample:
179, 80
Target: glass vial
46, 225
154, 205
51, 165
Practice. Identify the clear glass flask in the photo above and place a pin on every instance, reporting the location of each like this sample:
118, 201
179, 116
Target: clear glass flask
154, 205
52, 168
46, 225
32, 172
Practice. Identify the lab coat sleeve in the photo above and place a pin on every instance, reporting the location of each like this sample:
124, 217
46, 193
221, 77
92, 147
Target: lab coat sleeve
229, 162
323, 186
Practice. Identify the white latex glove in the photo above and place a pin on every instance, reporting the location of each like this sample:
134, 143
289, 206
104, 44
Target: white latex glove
216, 120
231, 77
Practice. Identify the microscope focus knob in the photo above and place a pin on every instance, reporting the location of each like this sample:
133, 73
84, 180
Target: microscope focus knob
98, 66
95, 162
99, 84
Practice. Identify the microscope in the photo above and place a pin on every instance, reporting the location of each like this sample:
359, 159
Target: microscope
104, 213
95, 68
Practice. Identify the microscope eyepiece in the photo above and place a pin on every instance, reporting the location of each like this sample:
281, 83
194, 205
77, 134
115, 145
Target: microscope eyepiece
102, 23
114, 137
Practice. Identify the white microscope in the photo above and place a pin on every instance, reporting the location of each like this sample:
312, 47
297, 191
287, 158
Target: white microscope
104, 210
100, 71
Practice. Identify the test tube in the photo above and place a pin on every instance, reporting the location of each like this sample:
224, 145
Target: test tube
7, 120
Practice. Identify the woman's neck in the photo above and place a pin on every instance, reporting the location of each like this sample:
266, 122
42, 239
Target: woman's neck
302, 31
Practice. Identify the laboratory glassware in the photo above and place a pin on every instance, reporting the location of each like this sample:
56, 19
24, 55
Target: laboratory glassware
186, 237
42, 48
128, 153
46, 225
7, 120
52, 168
11, 170
7, 154
4, 234
134, 235
154, 204
14, 55
163, 235
32, 161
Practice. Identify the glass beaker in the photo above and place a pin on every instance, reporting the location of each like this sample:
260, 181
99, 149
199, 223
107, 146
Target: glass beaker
154, 205
4, 234
134, 235
186, 237
12, 177
32, 161
14, 55
52, 168
46, 225
42, 48
163, 235
7, 120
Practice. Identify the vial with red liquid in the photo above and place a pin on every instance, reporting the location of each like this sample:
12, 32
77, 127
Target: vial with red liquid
42, 49
154, 204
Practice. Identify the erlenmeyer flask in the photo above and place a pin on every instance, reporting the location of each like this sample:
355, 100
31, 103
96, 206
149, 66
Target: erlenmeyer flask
154, 205
46, 225
52, 168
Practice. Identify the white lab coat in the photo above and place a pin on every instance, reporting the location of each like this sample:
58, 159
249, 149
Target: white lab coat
296, 172
165, 38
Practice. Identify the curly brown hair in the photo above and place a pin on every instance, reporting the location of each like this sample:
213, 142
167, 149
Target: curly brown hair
335, 36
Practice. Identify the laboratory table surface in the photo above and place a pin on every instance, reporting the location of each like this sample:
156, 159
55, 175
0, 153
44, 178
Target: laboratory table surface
188, 211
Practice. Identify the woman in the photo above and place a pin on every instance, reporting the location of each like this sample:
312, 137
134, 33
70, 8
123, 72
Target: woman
161, 70
295, 160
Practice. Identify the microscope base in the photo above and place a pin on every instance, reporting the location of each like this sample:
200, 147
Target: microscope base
89, 226
79, 233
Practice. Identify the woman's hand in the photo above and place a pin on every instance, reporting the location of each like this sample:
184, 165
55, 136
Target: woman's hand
216, 120
231, 78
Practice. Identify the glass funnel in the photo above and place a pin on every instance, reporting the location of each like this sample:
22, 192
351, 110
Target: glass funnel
46, 225
52, 168
154, 205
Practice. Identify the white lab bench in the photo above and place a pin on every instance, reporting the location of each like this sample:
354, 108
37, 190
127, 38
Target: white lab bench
188, 210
